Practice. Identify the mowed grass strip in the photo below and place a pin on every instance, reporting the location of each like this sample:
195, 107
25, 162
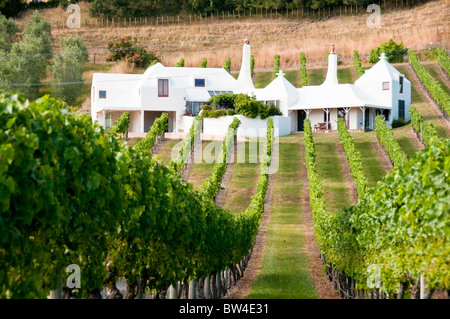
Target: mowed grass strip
242, 184
204, 165
404, 140
329, 169
371, 163
166, 148
284, 273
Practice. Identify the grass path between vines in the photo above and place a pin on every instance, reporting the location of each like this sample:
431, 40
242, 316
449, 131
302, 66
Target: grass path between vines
285, 271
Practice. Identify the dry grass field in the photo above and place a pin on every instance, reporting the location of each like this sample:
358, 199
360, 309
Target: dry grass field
218, 39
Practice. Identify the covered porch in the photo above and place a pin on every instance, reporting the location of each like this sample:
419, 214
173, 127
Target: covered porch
358, 118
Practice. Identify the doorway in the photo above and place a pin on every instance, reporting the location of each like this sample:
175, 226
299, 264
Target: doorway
301, 116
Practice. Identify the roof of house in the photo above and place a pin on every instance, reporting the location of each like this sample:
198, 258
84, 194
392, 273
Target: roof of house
380, 71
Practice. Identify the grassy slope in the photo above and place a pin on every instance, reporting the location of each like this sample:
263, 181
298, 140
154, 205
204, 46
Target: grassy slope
242, 183
432, 69
201, 171
330, 172
284, 272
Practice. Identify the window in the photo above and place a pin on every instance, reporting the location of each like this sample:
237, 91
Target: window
401, 84
199, 82
401, 109
163, 88
102, 94
108, 121
196, 107
385, 86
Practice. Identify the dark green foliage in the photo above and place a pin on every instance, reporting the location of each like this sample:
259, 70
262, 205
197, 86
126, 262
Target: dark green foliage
204, 63
121, 125
8, 33
240, 104
11, 8
394, 52
252, 65
157, 129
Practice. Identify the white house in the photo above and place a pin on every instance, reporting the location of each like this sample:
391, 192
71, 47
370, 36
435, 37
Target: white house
180, 91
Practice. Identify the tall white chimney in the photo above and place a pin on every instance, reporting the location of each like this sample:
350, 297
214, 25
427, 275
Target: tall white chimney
332, 69
244, 82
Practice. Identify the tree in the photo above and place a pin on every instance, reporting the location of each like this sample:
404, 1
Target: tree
394, 52
8, 33
38, 28
11, 8
68, 69
22, 68
204, 63
126, 48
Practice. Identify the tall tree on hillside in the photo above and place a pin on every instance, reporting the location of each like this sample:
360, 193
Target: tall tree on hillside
39, 28
68, 69
11, 8
21, 69
8, 33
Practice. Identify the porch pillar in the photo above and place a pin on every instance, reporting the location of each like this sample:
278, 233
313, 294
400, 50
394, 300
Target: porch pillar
142, 122
363, 109
104, 119
307, 113
328, 118
347, 110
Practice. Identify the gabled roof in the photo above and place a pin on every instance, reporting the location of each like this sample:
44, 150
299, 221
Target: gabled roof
334, 96
382, 70
280, 87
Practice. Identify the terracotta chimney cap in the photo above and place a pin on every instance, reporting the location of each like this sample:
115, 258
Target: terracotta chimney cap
332, 49
247, 41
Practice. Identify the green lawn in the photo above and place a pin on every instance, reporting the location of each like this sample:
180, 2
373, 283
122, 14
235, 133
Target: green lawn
167, 148
371, 163
316, 76
292, 76
201, 171
345, 75
329, 170
242, 184
404, 141
285, 273
262, 79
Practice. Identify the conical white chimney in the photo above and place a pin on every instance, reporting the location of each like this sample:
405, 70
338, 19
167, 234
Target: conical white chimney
332, 69
244, 82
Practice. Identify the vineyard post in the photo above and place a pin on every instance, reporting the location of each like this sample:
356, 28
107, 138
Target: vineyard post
207, 287
56, 294
192, 289
173, 292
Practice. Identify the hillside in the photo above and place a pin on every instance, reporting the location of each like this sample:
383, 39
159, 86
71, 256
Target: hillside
218, 39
